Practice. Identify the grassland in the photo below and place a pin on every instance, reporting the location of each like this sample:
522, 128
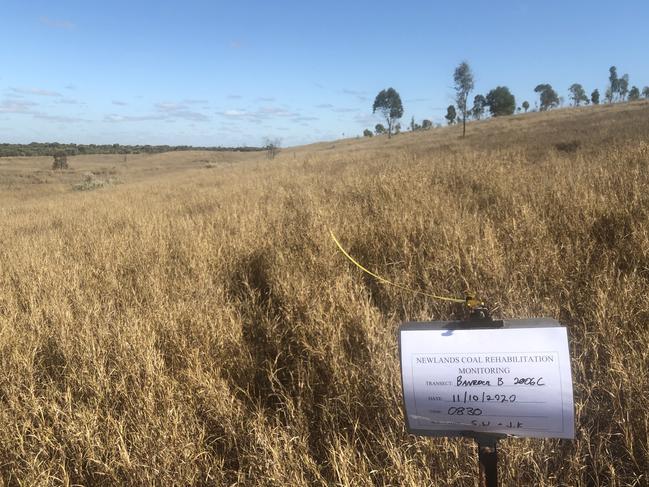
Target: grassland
193, 323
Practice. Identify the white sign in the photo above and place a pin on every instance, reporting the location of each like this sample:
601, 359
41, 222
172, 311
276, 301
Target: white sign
513, 381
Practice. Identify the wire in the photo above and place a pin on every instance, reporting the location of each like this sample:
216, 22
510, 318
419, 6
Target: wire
468, 300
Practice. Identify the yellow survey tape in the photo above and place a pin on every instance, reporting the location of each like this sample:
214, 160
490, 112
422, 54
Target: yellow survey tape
469, 301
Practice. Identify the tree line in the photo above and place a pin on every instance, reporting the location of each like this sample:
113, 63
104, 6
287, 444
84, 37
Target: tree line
499, 101
52, 148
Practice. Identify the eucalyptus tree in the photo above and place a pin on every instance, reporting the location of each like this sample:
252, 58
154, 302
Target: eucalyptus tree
463, 78
388, 103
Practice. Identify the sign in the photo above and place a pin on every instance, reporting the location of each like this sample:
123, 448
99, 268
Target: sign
514, 380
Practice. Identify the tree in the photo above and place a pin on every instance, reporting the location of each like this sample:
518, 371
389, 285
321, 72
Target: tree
426, 124
526, 105
272, 147
547, 96
623, 86
634, 94
463, 78
60, 160
614, 84
450, 114
645, 91
501, 101
379, 129
577, 94
367, 133
388, 102
594, 97
479, 105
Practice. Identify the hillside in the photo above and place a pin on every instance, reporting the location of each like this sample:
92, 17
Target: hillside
188, 320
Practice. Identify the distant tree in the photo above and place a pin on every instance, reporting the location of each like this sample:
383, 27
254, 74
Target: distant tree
526, 105
426, 124
594, 97
463, 78
548, 98
623, 86
501, 101
451, 114
479, 105
397, 128
272, 146
645, 92
388, 102
60, 160
614, 84
634, 94
367, 133
379, 129
577, 94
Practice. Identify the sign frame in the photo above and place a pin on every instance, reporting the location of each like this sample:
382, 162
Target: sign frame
480, 437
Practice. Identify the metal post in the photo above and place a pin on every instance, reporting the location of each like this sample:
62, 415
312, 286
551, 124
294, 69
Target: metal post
488, 457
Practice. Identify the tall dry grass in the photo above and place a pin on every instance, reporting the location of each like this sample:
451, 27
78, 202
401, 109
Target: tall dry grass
200, 328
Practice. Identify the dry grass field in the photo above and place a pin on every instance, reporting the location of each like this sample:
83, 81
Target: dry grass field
191, 322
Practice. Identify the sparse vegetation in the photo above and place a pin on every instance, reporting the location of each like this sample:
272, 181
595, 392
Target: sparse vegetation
193, 327
43, 149
273, 146
92, 181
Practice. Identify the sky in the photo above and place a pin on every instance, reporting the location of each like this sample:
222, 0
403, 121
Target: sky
210, 73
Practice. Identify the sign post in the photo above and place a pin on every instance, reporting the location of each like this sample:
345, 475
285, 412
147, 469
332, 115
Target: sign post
487, 380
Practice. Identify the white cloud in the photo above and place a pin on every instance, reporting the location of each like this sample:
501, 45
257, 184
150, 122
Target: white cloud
35, 91
16, 106
112, 118
69, 101
59, 118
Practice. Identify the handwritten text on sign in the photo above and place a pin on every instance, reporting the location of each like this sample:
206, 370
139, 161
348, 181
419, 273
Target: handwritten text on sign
511, 381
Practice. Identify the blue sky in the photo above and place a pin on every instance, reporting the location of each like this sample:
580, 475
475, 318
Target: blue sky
232, 73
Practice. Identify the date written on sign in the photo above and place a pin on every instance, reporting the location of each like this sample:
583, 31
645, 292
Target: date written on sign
513, 381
